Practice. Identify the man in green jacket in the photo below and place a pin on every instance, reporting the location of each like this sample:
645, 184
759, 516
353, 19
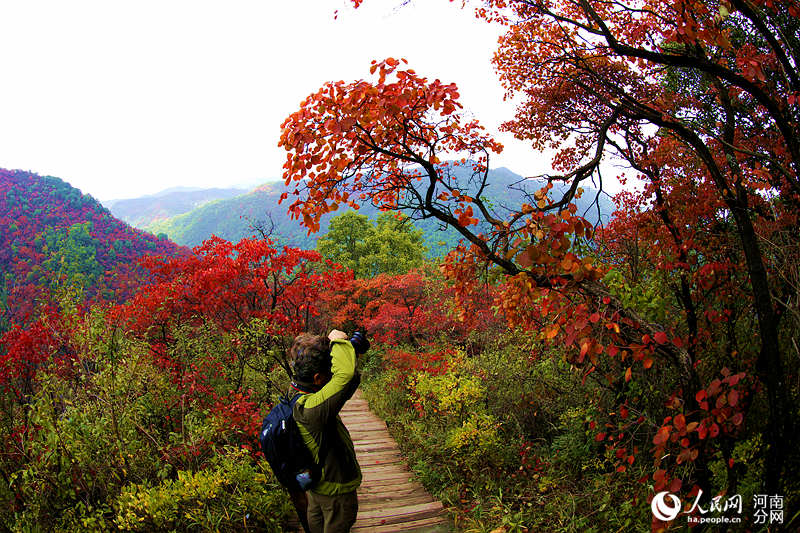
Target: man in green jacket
325, 373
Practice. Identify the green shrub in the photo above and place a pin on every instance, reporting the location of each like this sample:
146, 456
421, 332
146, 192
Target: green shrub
232, 494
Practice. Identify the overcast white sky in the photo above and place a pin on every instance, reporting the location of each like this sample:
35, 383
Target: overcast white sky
122, 99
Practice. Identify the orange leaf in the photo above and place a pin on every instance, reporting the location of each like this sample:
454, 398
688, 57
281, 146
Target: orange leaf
551, 331
584, 349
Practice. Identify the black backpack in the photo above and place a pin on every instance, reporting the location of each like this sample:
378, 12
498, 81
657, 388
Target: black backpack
285, 451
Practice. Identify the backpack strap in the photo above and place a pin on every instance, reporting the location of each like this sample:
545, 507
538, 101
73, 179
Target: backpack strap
322, 451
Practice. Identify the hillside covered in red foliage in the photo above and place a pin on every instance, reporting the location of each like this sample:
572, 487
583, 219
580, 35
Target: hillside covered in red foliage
53, 236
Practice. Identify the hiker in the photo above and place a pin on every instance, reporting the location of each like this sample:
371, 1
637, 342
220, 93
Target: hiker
324, 371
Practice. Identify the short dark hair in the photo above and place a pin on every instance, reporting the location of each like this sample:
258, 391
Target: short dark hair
310, 354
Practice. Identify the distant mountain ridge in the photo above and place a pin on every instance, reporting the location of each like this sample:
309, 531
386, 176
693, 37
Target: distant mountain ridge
235, 218
145, 210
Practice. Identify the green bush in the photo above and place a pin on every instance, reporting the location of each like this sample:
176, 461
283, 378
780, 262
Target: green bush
503, 438
231, 494
122, 438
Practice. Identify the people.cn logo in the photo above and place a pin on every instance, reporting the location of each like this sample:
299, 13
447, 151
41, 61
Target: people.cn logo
662, 509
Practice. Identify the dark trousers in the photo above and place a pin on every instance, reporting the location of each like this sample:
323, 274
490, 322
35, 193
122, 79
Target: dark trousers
332, 514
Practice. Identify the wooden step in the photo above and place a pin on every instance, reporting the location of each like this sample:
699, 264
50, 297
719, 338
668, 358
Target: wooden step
435, 524
396, 515
386, 504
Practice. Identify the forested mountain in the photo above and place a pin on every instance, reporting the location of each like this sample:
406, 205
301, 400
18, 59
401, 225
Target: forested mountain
52, 235
143, 211
236, 218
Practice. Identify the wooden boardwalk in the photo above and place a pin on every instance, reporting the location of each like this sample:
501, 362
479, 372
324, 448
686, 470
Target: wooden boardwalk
388, 499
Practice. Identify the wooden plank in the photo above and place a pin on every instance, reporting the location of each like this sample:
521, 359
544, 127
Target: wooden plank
435, 524
400, 515
386, 461
362, 443
360, 426
368, 497
359, 414
389, 472
377, 486
379, 470
405, 510
365, 427
374, 446
372, 465
388, 503
375, 437
380, 456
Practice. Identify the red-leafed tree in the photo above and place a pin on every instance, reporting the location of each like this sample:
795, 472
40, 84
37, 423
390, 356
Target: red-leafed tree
415, 307
228, 284
230, 289
699, 100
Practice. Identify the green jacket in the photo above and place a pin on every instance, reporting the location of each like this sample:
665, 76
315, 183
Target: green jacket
318, 412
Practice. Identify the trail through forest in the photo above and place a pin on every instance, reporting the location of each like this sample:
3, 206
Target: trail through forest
389, 499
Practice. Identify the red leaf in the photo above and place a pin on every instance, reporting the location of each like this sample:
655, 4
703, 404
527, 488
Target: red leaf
700, 396
661, 437
733, 398
734, 379
660, 337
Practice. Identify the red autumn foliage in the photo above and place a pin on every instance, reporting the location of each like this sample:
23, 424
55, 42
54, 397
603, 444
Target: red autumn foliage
33, 207
44, 343
696, 99
227, 285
